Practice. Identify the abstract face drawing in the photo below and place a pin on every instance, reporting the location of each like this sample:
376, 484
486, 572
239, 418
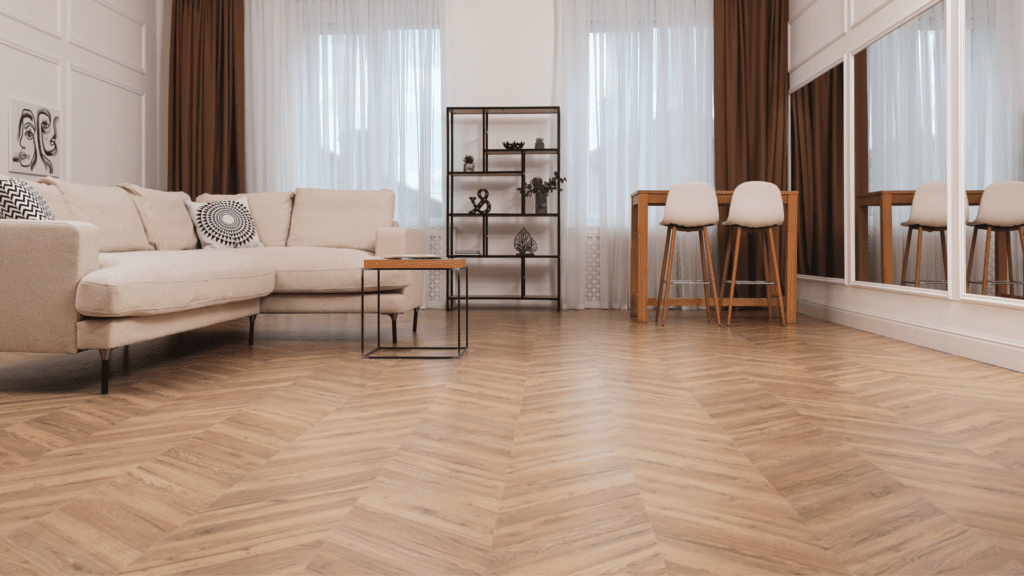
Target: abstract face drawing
37, 139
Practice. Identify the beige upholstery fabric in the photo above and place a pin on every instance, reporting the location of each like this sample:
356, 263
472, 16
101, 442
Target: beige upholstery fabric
310, 269
153, 283
41, 264
54, 200
111, 209
165, 218
691, 204
340, 218
929, 206
271, 213
1002, 205
394, 241
104, 333
394, 302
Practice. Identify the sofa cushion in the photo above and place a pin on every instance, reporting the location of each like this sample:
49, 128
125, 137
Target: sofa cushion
304, 269
225, 223
165, 217
271, 212
110, 208
340, 218
54, 200
162, 282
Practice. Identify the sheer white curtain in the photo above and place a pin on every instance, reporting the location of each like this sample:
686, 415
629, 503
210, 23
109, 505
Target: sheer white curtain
994, 105
907, 126
636, 83
346, 94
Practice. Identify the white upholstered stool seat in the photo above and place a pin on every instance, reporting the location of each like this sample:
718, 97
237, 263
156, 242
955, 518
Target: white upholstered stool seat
1001, 211
755, 207
927, 214
690, 207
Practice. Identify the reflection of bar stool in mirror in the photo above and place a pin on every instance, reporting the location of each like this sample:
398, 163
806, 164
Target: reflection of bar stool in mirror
1001, 210
690, 207
927, 214
755, 207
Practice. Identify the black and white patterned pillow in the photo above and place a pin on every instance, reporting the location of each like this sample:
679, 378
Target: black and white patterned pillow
224, 224
20, 201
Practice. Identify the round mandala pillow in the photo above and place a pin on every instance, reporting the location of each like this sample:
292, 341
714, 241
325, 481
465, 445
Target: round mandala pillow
224, 224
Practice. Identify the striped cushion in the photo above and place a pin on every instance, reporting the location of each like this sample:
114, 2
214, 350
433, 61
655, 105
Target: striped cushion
19, 201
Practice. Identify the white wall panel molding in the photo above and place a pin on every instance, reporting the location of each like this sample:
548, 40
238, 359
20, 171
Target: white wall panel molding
797, 7
887, 18
107, 144
28, 14
862, 9
34, 53
821, 24
108, 32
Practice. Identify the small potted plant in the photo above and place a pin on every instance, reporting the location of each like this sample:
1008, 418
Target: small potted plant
467, 163
540, 190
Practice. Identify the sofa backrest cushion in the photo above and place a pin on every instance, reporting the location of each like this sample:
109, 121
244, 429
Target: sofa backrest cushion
165, 218
54, 200
340, 218
271, 212
110, 208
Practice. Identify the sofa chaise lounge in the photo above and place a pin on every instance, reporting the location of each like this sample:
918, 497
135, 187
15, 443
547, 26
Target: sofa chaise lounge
122, 265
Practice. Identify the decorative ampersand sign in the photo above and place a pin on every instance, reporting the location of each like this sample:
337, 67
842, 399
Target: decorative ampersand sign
483, 206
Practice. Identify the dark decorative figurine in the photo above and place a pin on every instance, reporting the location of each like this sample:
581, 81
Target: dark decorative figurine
525, 244
539, 144
484, 205
514, 145
541, 189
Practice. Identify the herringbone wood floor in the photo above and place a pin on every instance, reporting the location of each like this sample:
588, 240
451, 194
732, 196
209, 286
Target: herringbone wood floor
562, 443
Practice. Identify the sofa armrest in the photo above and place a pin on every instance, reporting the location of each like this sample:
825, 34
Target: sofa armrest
41, 264
393, 241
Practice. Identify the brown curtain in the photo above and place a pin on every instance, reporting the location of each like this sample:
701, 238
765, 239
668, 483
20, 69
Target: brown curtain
817, 158
207, 97
751, 90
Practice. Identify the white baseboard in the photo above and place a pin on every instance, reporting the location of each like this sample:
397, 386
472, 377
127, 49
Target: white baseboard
974, 346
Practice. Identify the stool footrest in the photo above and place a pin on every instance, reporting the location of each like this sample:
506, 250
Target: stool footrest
750, 282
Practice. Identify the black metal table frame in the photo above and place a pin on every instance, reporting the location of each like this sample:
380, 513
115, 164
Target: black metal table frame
459, 347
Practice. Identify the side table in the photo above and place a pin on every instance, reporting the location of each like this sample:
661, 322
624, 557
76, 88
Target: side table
456, 266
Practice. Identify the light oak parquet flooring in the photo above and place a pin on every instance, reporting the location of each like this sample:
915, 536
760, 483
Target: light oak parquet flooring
571, 443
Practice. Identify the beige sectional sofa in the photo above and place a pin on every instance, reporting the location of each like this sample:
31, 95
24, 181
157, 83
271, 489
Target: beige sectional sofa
121, 265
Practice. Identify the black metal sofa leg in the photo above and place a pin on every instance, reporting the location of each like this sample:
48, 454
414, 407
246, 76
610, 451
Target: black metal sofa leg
415, 318
394, 328
252, 329
104, 370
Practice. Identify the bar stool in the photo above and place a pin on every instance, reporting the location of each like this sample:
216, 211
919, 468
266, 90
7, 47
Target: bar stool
927, 214
690, 207
755, 207
1001, 210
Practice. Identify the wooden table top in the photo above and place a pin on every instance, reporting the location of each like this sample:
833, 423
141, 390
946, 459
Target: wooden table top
415, 264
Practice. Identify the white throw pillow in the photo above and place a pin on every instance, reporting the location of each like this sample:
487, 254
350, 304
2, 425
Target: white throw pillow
271, 211
224, 224
19, 201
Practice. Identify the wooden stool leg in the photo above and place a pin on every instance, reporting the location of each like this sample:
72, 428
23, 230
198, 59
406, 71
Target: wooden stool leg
661, 277
1010, 288
711, 269
767, 274
725, 266
778, 278
906, 255
970, 259
945, 268
668, 275
704, 272
917, 267
984, 278
735, 266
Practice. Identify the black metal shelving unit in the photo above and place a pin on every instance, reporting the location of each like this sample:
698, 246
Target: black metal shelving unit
555, 259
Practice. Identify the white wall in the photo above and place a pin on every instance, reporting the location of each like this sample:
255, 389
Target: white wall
99, 63
824, 33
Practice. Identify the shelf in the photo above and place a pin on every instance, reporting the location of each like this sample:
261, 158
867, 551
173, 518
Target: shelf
489, 173
537, 257
502, 151
504, 215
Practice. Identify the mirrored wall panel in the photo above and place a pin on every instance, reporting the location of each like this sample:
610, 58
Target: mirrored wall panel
817, 173
994, 145
900, 134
